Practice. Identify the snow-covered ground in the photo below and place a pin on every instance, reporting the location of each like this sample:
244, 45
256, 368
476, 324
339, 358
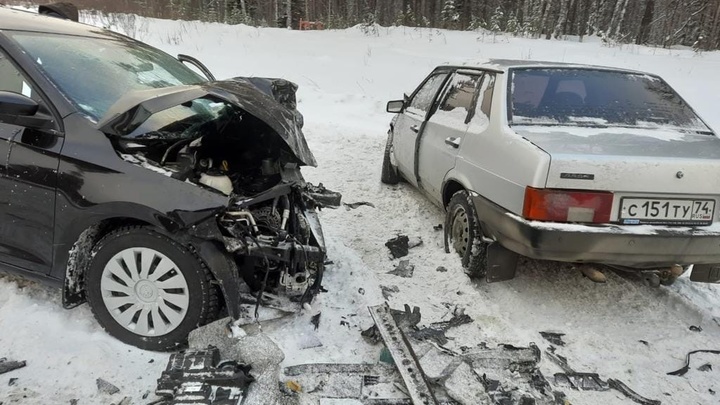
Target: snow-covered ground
345, 79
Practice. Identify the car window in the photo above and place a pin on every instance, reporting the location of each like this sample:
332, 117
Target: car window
480, 119
598, 98
11, 79
423, 99
459, 96
95, 72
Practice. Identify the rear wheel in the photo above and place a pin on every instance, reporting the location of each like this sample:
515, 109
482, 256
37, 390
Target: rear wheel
389, 173
464, 234
147, 290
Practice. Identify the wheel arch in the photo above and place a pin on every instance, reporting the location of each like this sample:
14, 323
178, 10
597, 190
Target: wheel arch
450, 187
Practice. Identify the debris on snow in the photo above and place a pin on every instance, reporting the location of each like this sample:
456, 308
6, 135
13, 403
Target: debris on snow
553, 337
388, 291
694, 328
10, 365
438, 227
464, 386
315, 320
398, 246
436, 330
105, 387
352, 206
403, 269
12, 381
196, 375
625, 390
705, 367
126, 401
681, 371
441, 269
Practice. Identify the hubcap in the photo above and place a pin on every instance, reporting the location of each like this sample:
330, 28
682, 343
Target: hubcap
144, 291
460, 230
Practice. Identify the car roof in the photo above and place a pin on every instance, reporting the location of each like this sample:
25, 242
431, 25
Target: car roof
19, 20
503, 65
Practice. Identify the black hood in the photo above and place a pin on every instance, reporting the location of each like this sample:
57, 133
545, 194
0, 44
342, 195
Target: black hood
135, 107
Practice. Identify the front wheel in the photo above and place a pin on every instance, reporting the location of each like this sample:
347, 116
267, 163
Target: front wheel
464, 235
147, 290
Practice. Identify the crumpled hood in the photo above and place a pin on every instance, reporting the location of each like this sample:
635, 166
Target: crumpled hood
135, 107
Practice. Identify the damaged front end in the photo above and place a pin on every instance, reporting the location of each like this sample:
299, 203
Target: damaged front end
266, 244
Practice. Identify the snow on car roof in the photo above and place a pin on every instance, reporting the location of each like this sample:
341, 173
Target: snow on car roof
18, 20
505, 64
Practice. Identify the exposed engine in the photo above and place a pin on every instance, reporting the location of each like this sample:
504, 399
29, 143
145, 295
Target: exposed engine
270, 226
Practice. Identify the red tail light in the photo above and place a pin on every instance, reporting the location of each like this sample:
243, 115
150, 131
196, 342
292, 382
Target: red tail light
567, 206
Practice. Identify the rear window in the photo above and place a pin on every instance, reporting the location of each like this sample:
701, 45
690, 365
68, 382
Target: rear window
597, 98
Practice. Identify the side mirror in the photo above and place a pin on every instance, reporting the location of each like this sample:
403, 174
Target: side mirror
395, 106
20, 110
16, 104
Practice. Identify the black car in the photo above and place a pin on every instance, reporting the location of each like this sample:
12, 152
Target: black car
159, 196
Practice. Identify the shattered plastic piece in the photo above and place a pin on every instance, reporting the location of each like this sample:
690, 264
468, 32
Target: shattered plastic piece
436, 330
441, 269
645, 342
404, 269
352, 206
625, 390
581, 381
686, 367
695, 328
126, 401
315, 320
12, 381
398, 246
464, 386
553, 337
388, 291
705, 367
438, 227
308, 341
10, 365
194, 373
323, 197
414, 242
105, 387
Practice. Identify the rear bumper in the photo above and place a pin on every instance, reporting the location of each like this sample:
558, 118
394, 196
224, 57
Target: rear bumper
643, 247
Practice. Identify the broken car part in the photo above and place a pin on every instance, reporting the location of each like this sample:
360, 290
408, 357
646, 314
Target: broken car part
398, 246
10, 365
404, 357
553, 337
684, 369
625, 390
199, 375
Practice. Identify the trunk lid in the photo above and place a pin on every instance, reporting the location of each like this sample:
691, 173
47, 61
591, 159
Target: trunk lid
623, 160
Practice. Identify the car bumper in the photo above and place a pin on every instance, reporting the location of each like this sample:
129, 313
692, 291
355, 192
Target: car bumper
642, 247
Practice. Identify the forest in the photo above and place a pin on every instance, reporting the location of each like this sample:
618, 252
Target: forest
665, 23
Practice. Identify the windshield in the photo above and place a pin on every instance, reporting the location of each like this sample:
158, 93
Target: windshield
95, 72
596, 98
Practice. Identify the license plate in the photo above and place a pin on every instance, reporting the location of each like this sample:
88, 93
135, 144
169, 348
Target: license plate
670, 212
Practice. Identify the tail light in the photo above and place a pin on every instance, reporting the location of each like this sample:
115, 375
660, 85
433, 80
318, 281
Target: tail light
567, 206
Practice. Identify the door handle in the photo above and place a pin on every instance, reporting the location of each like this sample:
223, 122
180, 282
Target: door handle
415, 128
454, 142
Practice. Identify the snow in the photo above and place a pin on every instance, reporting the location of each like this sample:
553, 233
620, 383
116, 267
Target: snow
346, 78
553, 127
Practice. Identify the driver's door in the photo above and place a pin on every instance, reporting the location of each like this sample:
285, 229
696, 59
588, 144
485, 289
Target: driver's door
28, 180
410, 122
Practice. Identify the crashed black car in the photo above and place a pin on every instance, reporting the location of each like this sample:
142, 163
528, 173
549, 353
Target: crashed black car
159, 196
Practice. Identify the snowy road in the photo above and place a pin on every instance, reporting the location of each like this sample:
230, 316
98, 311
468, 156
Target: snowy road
346, 77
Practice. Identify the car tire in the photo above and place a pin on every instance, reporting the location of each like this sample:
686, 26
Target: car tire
465, 235
389, 173
147, 290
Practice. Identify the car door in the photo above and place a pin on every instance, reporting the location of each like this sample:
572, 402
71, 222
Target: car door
28, 179
444, 131
410, 122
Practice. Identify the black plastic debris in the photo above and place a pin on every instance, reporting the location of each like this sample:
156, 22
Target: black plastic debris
705, 367
436, 330
404, 269
581, 381
625, 390
684, 369
10, 365
352, 206
695, 328
441, 269
438, 227
388, 291
315, 320
645, 342
105, 387
553, 337
398, 246
12, 381
199, 375
323, 197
